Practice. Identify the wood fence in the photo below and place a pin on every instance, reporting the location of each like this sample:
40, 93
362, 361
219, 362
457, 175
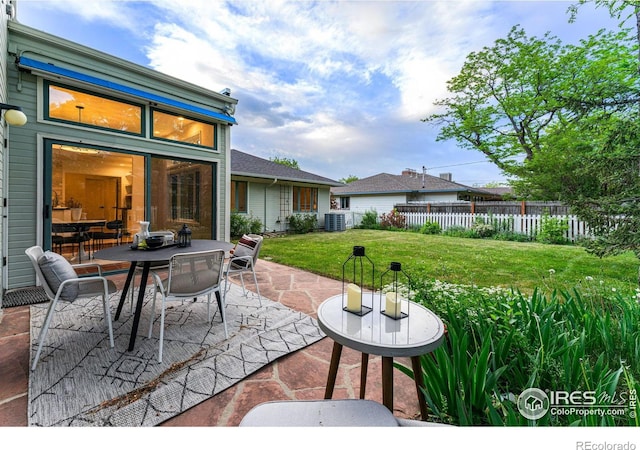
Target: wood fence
488, 207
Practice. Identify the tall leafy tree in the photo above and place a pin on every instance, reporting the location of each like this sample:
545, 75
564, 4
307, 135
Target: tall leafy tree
289, 162
509, 101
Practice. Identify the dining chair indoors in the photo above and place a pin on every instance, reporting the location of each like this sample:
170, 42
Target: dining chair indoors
113, 233
190, 275
243, 259
61, 282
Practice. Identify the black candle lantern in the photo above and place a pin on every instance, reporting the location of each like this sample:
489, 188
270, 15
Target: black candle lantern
184, 236
352, 286
393, 300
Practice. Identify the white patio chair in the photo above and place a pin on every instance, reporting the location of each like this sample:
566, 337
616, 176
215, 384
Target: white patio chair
61, 282
243, 259
190, 275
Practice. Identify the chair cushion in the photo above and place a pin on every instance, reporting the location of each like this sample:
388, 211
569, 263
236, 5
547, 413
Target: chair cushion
55, 270
245, 247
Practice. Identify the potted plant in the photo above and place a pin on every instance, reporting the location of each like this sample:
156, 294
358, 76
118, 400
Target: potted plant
76, 209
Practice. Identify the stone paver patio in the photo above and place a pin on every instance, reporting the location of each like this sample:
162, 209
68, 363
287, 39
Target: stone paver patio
298, 376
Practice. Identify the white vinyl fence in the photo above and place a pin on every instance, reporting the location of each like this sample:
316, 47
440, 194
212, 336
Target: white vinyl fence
524, 224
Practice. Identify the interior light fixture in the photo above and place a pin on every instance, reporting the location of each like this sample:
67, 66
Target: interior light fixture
84, 150
13, 115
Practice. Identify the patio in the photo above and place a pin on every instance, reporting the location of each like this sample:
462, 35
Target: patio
301, 375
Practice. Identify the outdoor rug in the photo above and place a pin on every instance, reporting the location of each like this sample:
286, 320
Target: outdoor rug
81, 381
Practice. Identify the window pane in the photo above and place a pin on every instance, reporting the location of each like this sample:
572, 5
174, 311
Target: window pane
182, 129
104, 185
182, 193
83, 108
239, 196
305, 199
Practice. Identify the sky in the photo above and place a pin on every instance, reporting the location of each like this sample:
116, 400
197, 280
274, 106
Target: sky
338, 86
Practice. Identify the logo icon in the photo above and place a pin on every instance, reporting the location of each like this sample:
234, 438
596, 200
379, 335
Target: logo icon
533, 403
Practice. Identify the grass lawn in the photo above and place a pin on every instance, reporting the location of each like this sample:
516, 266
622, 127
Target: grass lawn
481, 262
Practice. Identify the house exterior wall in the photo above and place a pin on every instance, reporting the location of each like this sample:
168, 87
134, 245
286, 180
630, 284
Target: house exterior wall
436, 197
384, 203
3, 98
265, 202
25, 220
380, 203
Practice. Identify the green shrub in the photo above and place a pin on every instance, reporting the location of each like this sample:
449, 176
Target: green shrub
512, 236
242, 224
459, 231
553, 230
500, 343
431, 228
370, 221
303, 223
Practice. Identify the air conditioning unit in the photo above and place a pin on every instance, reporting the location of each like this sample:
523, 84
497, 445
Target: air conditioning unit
334, 222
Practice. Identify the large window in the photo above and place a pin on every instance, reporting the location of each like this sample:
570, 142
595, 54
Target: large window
173, 127
305, 199
185, 197
79, 107
239, 196
109, 192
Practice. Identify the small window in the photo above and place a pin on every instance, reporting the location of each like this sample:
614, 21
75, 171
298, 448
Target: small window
344, 202
239, 196
84, 108
305, 199
174, 127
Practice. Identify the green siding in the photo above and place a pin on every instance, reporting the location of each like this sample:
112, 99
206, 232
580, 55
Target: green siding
26, 143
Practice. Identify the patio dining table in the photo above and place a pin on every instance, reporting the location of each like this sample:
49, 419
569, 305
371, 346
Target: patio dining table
146, 258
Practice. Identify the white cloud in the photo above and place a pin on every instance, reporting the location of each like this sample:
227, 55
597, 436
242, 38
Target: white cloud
340, 85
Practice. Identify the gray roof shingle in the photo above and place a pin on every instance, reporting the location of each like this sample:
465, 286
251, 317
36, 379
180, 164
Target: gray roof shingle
252, 166
385, 183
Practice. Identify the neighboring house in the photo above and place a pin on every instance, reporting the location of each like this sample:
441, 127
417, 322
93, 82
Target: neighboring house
382, 192
123, 141
272, 192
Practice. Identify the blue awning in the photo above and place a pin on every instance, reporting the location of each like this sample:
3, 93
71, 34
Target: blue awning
50, 68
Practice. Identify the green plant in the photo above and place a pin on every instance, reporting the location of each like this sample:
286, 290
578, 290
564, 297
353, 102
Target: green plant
393, 220
369, 221
501, 342
431, 228
242, 224
303, 223
553, 230
458, 231
483, 228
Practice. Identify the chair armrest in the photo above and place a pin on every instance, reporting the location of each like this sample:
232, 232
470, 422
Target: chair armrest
82, 280
88, 266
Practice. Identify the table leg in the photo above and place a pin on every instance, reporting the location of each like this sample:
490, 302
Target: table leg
364, 365
387, 382
418, 377
123, 297
333, 370
136, 316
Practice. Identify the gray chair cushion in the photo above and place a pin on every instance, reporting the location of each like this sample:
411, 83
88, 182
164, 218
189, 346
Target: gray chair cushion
55, 270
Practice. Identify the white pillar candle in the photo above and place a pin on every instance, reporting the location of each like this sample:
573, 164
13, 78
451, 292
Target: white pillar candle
393, 308
354, 297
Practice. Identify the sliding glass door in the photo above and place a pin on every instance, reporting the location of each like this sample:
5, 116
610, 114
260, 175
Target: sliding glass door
92, 191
